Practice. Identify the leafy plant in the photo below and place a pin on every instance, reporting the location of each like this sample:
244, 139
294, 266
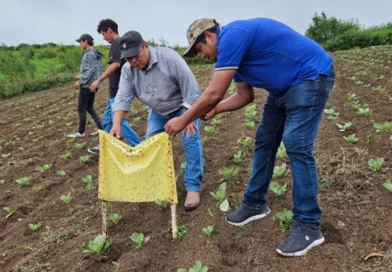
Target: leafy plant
388, 185
220, 196
197, 267
99, 245
344, 127
245, 142
6, 156
376, 164
23, 180
84, 159
229, 173
204, 140
9, 211
66, 155
238, 157
2, 181
250, 124
281, 151
81, 145
183, 167
61, 173
114, 217
208, 230
332, 114
66, 198
351, 96
209, 129
37, 188
139, 239
385, 127
88, 180
44, 168
285, 219
280, 171
181, 231
250, 111
35, 227
364, 112
279, 190
351, 138
163, 203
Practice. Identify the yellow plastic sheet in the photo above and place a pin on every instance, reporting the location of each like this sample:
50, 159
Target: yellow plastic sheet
142, 173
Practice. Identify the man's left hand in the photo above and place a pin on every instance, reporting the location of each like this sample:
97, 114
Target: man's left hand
174, 126
190, 129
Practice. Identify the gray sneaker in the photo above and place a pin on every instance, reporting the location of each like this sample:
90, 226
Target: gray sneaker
94, 150
300, 239
245, 215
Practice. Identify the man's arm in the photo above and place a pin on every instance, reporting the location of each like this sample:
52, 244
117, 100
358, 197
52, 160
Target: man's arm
243, 96
86, 69
110, 70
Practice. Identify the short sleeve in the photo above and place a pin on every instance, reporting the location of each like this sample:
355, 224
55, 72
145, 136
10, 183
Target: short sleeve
233, 45
115, 53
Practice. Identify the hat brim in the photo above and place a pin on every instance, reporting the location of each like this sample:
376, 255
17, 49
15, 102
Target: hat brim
130, 53
78, 40
190, 52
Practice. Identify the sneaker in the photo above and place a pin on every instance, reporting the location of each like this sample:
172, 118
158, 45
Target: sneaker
76, 135
95, 133
300, 239
94, 150
243, 215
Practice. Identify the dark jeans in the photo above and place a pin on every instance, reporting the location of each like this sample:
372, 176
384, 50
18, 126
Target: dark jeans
86, 103
294, 117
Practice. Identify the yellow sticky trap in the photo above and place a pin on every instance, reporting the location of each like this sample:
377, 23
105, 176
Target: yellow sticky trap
143, 173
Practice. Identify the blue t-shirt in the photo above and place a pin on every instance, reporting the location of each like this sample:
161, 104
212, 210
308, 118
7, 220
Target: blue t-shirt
268, 54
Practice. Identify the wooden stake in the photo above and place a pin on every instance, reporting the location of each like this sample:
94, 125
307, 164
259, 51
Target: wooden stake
104, 221
174, 220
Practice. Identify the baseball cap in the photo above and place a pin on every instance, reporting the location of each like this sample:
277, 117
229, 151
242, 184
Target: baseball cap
194, 31
85, 37
129, 44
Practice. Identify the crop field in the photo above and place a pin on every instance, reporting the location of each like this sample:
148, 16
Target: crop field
50, 212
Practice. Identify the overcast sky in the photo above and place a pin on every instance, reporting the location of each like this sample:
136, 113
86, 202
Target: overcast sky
42, 21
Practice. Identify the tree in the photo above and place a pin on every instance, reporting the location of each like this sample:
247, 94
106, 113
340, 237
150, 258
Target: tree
323, 28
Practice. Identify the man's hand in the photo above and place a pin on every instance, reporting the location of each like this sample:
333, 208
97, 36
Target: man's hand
210, 114
174, 126
116, 131
94, 86
190, 129
77, 85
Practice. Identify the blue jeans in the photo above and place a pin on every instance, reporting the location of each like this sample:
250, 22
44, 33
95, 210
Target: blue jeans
192, 147
294, 117
126, 131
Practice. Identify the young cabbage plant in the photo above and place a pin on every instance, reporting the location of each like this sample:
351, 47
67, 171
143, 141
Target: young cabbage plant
139, 239
208, 230
279, 190
99, 245
220, 197
285, 219
114, 217
197, 267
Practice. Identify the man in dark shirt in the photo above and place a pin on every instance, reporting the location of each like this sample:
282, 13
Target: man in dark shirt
109, 30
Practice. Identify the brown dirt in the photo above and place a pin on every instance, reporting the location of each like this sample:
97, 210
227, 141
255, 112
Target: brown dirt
357, 214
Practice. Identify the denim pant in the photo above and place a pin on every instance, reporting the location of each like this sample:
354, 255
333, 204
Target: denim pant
86, 103
294, 117
126, 131
192, 147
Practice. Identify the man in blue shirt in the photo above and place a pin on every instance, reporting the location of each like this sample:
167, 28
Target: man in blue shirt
299, 76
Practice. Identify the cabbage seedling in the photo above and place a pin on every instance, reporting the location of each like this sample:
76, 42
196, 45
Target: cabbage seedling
197, 267
229, 173
208, 230
61, 173
23, 181
278, 189
44, 168
344, 127
98, 245
9, 211
139, 239
114, 217
35, 227
220, 196
163, 203
285, 219
238, 157
66, 198
376, 164
66, 155
84, 159
280, 171
351, 138
388, 185
81, 145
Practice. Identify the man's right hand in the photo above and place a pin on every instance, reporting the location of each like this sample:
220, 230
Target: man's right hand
209, 114
94, 86
116, 131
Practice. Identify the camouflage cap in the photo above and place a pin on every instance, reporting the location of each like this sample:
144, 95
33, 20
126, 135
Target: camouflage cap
194, 30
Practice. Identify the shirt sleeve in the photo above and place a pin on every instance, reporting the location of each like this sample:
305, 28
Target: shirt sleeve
115, 53
190, 90
233, 45
126, 91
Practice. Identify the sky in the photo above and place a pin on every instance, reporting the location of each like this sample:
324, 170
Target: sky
61, 22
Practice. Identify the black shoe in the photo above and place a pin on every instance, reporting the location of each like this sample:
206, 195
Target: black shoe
244, 215
301, 238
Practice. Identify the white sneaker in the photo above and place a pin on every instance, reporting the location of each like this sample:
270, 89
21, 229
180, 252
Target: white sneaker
76, 135
95, 133
94, 150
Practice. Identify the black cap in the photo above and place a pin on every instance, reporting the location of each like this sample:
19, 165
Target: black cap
85, 37
129, 44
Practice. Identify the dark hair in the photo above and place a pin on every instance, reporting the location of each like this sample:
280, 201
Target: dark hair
202, 36
90, 42
105, 24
